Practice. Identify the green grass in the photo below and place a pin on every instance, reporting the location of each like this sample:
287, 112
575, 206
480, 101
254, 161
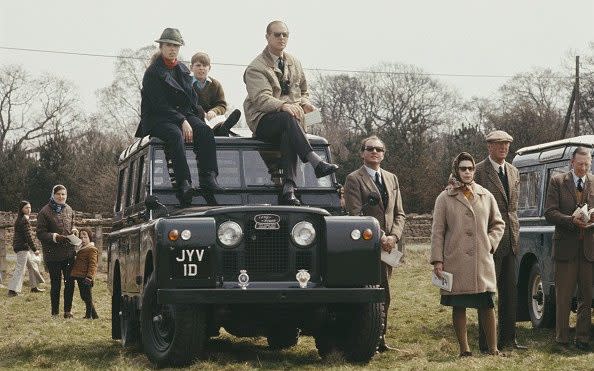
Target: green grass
419, 327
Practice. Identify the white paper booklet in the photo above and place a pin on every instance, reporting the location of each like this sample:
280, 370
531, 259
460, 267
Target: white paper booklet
392, 258
583, 213
74, 240
444, 283
313, 118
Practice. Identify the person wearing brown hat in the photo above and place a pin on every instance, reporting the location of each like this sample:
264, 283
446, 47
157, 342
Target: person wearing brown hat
170, 112
466, 230
503, 181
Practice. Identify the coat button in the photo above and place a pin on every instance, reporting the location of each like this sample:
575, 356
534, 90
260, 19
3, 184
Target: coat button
468, 213
176, 107
469, 233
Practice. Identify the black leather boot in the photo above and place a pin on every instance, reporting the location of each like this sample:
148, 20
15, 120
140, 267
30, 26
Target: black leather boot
94, 313
185, 192
224, 128
208, 182
324, 169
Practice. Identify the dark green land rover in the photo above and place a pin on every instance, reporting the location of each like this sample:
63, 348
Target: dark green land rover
238, 260
536, 287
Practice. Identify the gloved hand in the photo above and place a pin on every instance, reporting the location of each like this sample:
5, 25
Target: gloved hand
60, 238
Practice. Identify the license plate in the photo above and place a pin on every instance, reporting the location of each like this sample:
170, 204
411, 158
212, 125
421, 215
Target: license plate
191, 263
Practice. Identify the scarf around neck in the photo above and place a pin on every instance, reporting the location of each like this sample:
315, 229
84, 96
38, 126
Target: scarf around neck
56, 206
169, 64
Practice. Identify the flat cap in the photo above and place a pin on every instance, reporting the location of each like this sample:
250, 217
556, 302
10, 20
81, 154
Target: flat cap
498, 136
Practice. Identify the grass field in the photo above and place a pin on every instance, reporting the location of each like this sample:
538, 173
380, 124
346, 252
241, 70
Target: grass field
419, 327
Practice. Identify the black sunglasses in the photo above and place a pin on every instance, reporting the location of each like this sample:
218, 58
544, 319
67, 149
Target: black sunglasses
464, 168
279, 34
373, 148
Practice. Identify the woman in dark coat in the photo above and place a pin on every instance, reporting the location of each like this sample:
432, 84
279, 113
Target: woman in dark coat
55, 221
25, 248
170, 111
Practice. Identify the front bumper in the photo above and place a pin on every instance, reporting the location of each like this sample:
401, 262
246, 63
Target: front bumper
317, 295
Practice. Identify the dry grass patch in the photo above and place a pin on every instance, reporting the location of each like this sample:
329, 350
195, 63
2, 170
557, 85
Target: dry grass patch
419, 328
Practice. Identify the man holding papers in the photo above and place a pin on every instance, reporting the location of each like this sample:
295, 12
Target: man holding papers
573, 246
387, 209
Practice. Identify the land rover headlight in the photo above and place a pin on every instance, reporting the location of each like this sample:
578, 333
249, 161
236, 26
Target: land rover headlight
303, 234
229, 233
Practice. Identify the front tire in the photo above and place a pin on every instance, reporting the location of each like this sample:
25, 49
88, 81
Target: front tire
541, 307
362, 333
172, 334
129, 328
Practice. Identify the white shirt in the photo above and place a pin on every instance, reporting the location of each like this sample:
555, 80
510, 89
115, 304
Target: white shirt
575, 179
372, 173
496, 166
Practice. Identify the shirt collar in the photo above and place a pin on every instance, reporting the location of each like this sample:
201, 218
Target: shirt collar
206, 82
275, 58
496, 165
372, 172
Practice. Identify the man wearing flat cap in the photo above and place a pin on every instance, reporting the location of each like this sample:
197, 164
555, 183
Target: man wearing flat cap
503, 181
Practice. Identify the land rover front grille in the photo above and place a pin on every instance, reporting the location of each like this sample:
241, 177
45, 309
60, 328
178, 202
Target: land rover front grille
267, 254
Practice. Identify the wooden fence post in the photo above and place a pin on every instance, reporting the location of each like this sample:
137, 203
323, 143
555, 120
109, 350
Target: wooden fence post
2, 255
99, 242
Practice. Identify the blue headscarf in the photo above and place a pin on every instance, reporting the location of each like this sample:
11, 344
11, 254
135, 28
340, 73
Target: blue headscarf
53, 203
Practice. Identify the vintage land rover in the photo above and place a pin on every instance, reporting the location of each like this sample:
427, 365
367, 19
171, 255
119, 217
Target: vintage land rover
238, 260
536, 286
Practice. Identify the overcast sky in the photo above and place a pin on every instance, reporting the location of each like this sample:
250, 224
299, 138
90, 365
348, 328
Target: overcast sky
473, 37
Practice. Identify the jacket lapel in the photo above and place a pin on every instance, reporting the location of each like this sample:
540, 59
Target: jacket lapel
389, 186
570, 185
370, 184
494, 178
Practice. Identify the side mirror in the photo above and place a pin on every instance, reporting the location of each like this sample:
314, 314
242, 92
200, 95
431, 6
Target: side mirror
373, 199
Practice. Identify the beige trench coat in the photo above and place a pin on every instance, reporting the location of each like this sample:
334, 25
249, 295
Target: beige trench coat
464, 236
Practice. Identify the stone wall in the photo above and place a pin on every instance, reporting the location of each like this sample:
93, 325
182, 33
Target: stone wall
418, 228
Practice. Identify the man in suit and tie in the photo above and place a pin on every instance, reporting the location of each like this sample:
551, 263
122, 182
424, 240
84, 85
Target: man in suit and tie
573, 246
502, 180
370, 178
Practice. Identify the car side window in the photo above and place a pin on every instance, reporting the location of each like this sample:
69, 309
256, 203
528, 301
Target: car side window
530, 196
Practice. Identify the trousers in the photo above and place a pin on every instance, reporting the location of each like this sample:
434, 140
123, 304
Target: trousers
59, 270
24, 261
283, 129
568, 274
204, 147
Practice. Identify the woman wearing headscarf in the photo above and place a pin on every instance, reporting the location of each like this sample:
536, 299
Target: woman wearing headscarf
25, 248
467, 228
55, 221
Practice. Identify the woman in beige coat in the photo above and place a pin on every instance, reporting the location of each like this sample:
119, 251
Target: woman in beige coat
467, 227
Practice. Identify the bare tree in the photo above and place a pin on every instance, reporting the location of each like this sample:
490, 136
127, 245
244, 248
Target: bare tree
119, 103
33, 108
531, 107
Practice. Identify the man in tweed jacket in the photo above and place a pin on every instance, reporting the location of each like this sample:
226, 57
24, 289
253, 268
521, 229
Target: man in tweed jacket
502, 180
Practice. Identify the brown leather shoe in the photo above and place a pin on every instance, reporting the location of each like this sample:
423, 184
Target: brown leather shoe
12, 293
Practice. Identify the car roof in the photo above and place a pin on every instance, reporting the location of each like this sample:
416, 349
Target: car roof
582, 140
243, 138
